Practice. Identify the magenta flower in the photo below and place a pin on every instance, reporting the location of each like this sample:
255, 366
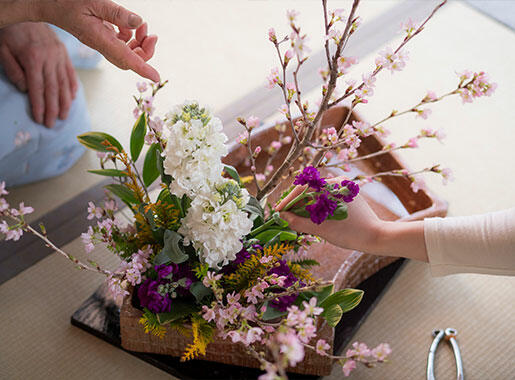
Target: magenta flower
310, 176
353, 190
150, 298
322, 208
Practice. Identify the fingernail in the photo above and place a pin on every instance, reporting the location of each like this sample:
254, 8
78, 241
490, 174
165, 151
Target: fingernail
134, 20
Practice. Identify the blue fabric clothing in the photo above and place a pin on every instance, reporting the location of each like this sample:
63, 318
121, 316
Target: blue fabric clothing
29, 151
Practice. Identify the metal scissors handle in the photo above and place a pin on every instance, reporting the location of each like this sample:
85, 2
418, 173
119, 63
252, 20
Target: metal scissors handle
450, 336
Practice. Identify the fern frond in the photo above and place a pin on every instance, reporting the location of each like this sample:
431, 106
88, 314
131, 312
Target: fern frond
152, 325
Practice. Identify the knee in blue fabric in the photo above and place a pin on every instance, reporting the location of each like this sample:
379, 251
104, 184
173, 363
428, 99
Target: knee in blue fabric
31, 152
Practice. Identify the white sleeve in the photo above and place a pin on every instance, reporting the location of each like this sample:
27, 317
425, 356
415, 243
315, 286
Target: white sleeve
472, 244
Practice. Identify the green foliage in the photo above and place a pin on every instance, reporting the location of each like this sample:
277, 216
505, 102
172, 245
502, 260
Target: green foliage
340, 213
109, 172
272, 235
138, 136
233, 173
333, 314
172, 250
151, 324
123, 193
307, 263
347, 299
201, 270
150, 169
272, 313
199, 291
100, 141
179, 310
165, 178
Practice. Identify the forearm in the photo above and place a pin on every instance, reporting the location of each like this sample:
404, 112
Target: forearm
14, 11
400, 239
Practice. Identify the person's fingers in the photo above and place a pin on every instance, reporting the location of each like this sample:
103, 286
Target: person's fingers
124, 34
13, 69
117, 15
300, 224
148, 47
133, 44
119, 54
65, 94
293, 194
51, 94
72, 77
36, 88
141, 32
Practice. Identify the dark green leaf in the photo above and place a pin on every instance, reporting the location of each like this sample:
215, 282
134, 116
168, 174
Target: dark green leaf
340, 213
321, 295
109, 172
347, 299
199, 291
279, 221
180, 309
268, 235
150, 169
172, 250
301, 212
138, 136
233, 173
97, 141
272, 313
333, 315
255, 208
123, 193
307, 263
165, 178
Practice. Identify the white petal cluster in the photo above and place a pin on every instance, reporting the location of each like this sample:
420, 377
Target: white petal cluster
215, 224
194, 149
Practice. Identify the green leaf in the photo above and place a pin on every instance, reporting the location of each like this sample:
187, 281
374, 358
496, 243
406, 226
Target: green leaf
347, 299
301, 212
123, 193
307, 263
333, 315
340, 213
150, 169
233, 173
95, 140
165, 196
279, 221
109, 172
172, 250
321, 295
199, 291
268, 235
165, 178
138, 136
272, 313
254, 207
179, 310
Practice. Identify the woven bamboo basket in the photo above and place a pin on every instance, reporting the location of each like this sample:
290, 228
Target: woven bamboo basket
343, 267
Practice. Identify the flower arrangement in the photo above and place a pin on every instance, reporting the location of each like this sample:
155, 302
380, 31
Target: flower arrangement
204, 256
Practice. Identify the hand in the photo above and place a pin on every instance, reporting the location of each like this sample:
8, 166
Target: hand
36, 61
93, 22
362, 230
359, 231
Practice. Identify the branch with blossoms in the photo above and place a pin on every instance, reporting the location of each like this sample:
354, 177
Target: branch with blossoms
312, 146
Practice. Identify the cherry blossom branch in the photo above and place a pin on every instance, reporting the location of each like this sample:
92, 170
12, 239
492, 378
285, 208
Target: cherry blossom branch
380, 67
297, 150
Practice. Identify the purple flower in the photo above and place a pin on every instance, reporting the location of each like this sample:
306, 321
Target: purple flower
322, 208
282, 303
150, 298
164, 270
241, 257
353, 190
310, 176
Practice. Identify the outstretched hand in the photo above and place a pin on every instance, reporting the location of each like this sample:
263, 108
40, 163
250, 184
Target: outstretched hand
93, 22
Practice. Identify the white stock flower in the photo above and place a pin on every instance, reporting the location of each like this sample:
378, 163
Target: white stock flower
194, 150
215, 228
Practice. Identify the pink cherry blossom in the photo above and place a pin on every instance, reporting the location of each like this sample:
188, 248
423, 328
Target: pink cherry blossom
3, 205
412, 142
87, 240
252, 122
288, 55
3, 191
311, 307
322, 347
273, 78
208, 313
348, 367
141, 86
424, 113
242, 138
417, 184
94, 211
271, 35
447, 175
381, 352
291, 347
292, 14
409, 26
23, 210
430, 96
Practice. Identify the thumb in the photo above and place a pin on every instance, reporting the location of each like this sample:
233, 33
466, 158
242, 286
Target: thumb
300, 224
118, 15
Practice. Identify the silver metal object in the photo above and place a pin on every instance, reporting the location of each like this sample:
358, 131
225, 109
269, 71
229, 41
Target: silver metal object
450, 335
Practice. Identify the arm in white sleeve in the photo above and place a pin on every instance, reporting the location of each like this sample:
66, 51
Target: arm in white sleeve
472, 244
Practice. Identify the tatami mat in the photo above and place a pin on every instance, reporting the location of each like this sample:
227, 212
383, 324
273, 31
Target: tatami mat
36, 339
